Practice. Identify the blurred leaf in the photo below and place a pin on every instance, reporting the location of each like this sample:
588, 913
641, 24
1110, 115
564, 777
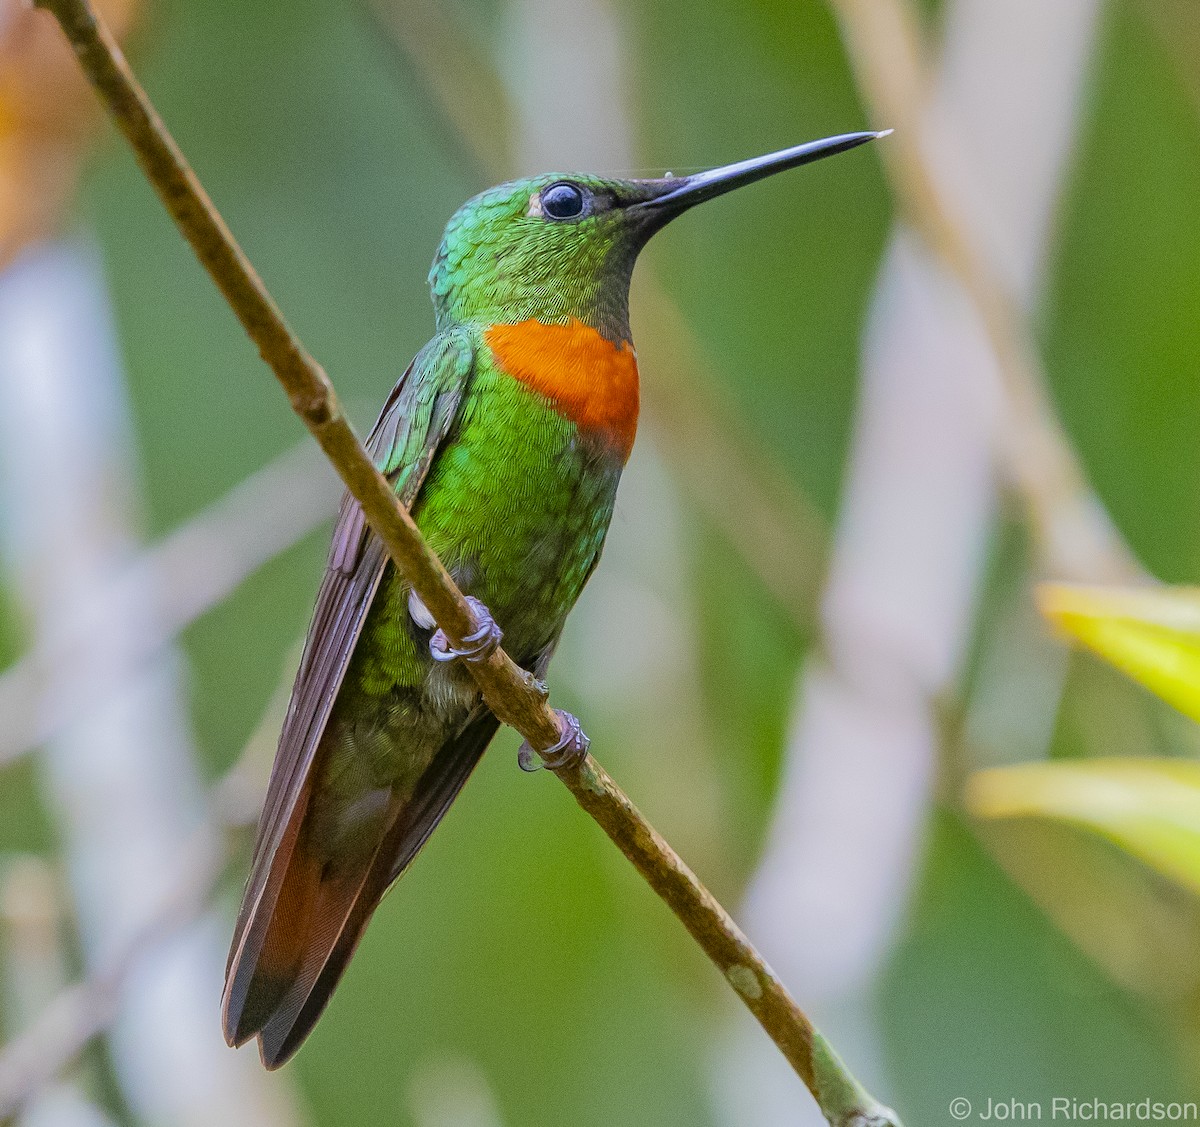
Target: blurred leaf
1148, 807
984, 991
1151, 633
1177, 24
1140, 927
1122, 340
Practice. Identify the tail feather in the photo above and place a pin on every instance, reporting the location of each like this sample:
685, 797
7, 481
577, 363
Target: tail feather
264, 957
343, 908
331, 944
299, 937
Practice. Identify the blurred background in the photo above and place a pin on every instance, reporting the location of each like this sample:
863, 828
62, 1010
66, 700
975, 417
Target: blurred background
884, 396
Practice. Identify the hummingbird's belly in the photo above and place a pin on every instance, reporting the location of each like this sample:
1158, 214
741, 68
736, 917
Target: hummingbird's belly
520, 523
517, 506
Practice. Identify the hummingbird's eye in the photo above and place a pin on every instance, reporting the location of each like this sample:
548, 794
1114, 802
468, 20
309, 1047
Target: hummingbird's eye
562, 201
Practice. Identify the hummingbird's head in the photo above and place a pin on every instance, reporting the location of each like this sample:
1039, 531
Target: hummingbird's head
562, 246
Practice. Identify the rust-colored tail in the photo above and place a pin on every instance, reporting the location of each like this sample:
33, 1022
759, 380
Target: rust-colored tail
294, 940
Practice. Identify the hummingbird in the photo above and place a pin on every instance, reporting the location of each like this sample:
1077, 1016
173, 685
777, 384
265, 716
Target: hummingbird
506, 438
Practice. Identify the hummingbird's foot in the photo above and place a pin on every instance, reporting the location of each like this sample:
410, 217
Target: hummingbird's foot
477, 646
570, 749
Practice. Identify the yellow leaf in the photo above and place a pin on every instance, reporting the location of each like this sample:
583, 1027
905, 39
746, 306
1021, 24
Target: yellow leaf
1148, 807
1150, 633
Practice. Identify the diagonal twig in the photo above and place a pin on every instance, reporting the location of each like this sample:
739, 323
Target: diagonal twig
1076, 536
511, 693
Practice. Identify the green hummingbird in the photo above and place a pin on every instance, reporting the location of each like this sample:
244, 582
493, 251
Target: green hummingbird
506, 438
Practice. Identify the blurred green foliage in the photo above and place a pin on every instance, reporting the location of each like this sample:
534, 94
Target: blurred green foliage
1122, 338
984, 999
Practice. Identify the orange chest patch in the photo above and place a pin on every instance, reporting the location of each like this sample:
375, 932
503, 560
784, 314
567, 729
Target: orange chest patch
587, 378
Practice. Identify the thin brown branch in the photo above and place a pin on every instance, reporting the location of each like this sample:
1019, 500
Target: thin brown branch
511, 693
1075, 534
841, 1098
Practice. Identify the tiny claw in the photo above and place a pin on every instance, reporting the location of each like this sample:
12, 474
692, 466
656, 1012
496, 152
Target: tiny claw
477, 646
572, 746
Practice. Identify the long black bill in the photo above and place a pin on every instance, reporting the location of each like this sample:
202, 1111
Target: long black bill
686, 191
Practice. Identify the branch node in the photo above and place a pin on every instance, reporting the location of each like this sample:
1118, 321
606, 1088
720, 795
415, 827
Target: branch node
316, 407
535, 687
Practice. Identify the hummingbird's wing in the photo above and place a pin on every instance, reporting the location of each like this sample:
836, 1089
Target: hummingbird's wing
416, 420
318, 952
